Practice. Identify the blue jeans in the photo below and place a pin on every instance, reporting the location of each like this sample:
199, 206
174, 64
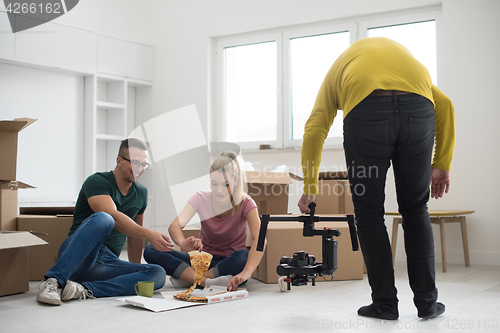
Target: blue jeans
176, 262
85, 259
398, 129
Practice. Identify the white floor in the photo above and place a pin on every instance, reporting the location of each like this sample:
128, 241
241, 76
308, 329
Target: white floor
471, 296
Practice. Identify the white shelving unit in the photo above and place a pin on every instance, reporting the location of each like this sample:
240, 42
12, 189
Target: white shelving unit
114, 107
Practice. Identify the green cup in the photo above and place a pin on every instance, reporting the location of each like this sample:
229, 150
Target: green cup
145, 288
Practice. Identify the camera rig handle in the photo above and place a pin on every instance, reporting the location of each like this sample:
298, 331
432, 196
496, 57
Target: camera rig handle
308, 221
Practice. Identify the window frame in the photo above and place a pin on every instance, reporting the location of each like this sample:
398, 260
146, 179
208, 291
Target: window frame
221, 115
357, 28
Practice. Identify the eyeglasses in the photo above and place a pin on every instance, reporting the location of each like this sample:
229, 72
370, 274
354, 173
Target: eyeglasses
136, 164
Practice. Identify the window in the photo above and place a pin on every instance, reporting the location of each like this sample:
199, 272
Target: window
250, 92
268, 82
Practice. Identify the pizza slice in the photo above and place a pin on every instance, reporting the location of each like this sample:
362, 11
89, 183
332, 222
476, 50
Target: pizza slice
200, 261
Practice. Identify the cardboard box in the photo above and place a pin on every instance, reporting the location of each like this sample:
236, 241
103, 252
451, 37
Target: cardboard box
8, 204
14, 261
285, 238
9, 130
51, 224
335, 195
269, 190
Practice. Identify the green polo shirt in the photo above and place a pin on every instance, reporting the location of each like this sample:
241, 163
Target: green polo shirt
103, 183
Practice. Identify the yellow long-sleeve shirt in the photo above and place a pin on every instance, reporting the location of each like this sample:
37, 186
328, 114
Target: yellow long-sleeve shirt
367, 65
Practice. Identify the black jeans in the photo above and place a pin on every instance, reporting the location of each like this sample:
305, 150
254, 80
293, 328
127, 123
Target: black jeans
381, 129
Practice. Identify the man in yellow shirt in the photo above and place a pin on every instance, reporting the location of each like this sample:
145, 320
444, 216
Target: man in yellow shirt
392, 113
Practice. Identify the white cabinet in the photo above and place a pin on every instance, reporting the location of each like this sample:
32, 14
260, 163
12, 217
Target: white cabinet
119, 57
56, 46
7, 40
114, 107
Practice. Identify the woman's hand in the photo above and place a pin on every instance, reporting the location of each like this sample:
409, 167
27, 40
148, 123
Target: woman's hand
237, 280
192, 244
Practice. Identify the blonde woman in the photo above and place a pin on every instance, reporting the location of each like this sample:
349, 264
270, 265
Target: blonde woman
225, 212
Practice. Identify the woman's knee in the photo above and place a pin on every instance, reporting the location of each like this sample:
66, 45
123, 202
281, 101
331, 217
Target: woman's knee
149, 254
240, 258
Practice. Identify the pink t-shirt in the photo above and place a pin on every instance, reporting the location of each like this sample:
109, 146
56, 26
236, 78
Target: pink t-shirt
221, 236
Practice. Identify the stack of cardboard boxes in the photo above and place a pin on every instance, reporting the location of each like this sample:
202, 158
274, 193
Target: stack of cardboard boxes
35, 226
14, 260
270, 192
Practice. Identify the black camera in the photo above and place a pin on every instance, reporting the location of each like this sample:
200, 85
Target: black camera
299, 268
299, 259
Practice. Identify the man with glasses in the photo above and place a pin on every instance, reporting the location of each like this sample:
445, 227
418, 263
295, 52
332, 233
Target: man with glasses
109, 208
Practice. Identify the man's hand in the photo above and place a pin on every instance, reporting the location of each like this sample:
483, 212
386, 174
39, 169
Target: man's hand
304, 202
192, 244
160, 242
440, 183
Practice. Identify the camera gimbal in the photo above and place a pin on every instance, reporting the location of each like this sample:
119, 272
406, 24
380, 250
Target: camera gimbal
302, 266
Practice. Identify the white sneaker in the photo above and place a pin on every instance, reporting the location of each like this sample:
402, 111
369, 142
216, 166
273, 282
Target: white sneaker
49, 292
74, 290
218, 281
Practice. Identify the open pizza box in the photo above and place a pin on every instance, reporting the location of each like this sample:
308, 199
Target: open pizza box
214, 294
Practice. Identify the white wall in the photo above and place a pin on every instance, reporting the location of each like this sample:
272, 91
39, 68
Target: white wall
50, 151
468, 73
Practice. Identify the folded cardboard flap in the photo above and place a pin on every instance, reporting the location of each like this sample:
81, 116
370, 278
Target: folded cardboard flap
16, 239
13, 185
14, 261
15, 125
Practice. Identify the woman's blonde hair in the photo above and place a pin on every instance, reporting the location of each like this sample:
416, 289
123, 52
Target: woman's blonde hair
227, 163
